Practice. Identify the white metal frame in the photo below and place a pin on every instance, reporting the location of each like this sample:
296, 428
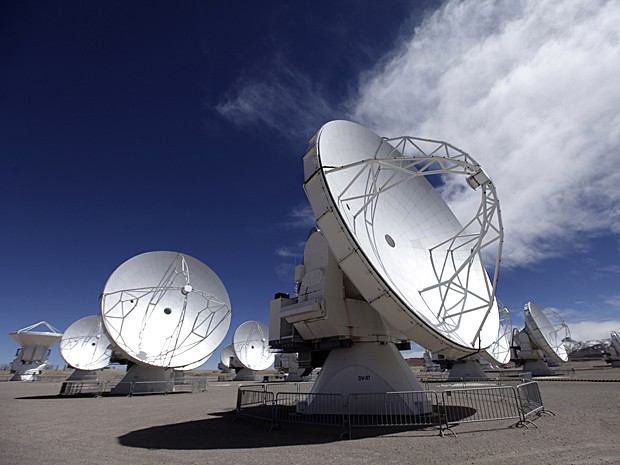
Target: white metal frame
482, 232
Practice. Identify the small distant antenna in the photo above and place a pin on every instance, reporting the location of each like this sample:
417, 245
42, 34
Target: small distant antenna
251, 349
85, 347
31, 359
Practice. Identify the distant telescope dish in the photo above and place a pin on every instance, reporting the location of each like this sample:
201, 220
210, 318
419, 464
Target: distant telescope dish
28, 337
165, 309
251, 345
500, 350
85, 346
31, 358
397, 240
615, 341
227, 355
547, 330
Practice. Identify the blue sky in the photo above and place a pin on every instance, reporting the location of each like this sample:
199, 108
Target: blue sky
136, 126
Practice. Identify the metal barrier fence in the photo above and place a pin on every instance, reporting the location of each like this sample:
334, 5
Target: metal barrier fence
300, 387
411, 408
531, 402
312, 409
74, 388
480, 404
419, 409
99, 388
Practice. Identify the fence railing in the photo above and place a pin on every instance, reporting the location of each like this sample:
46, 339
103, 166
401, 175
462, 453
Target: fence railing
74, 388
480, 404
99, 388
419, 409
410, 408
531, 402
313, 409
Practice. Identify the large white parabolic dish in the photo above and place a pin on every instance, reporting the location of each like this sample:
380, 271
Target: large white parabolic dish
251, 345
84, 344
165, 309
547, 335
398, 241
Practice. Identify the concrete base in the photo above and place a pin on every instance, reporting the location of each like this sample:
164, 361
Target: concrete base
83, 375
466, 369
245, 374
537, 368
141, 379
365, 368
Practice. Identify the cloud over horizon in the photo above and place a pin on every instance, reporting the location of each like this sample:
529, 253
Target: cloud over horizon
529, 89
284, 100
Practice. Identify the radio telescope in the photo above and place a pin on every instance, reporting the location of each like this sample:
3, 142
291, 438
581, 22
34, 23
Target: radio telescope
499, 351
31, 359
613, 349
85, 347
227, 359
249, 353
541, 341
163, 311
389, 262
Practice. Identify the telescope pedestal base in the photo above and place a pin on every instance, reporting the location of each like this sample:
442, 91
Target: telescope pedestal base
141, 379
245, 374
371, 369
537, 368
82, 375
466, 369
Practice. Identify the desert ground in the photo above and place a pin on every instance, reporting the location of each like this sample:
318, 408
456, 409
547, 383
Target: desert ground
40, 427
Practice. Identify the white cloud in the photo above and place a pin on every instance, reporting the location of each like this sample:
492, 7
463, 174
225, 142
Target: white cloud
300, 217
614, 301
588, 330
285, 101
530, 89
287, 252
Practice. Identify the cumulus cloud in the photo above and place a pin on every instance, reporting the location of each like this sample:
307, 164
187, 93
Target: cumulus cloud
300, 217
530, 90
613, 301
285, 101
588, 330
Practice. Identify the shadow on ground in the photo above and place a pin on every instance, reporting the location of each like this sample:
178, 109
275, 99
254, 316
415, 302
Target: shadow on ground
221, 431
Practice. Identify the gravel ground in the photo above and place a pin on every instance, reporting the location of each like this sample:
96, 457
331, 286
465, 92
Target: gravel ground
40, 428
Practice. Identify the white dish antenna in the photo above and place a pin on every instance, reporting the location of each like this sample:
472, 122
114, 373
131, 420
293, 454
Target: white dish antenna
85, 346
397, 240
547, 330
615, 341
28, 337
500, 350
251, 346
31, 358
227, 356
165, 309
